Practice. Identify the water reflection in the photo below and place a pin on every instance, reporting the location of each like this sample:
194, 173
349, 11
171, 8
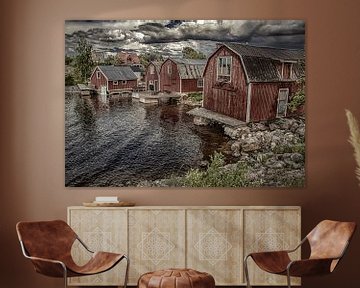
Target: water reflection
119, 141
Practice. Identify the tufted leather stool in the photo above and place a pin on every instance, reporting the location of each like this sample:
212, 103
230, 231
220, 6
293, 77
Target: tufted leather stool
176, 278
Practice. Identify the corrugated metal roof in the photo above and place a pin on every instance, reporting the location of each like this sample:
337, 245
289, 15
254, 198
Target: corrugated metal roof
116, 73
190, 68
263, 64
266, 52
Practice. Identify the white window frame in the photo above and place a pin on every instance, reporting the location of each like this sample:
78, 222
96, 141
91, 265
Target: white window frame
115, 83
169, 69
123, 82
290, 70
200, 82
286, 102
220, 70
97, 74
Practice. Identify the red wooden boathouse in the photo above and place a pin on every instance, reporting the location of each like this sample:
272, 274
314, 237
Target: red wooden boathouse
251, 83
113, 78
182, 75
152, 76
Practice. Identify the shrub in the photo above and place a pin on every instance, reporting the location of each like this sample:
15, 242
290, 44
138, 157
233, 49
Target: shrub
69, 80
216, 175
196, 96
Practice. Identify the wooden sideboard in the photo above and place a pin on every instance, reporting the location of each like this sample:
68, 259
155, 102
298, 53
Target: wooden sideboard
211, 239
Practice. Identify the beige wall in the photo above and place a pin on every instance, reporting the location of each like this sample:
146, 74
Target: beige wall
32, 118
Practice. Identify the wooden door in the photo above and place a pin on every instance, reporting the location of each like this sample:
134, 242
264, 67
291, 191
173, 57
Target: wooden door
283, 96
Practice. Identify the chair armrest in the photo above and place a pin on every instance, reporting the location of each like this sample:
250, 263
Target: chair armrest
48, 267
309, 267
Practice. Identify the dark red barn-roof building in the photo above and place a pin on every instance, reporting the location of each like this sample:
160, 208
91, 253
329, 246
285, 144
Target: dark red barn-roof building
182, 75
152, 76
111, 78
252, 83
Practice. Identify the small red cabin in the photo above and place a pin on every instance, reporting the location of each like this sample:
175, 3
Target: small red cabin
251, 83
182, 75
152, 76
113, 78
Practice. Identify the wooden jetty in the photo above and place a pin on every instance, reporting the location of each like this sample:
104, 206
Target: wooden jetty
158, 98
121, 92
86, 90
204, 116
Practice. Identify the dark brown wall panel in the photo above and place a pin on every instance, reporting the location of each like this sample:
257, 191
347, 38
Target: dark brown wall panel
32, 119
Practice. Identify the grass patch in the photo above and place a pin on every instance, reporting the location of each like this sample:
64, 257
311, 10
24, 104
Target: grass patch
214, 176
196, 96
297, 148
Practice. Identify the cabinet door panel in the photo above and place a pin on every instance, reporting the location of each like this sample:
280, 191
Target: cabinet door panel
100, 230
270, 230
214, 244
156, 240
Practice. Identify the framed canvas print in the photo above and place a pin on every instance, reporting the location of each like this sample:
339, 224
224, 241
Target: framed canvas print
185, 103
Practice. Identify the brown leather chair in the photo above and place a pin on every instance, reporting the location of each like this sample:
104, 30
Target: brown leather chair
48, 245
328, 242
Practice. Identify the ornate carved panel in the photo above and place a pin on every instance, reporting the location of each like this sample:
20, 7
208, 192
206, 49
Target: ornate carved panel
101, 230
214, 241
156, 240
209, 239
269, 230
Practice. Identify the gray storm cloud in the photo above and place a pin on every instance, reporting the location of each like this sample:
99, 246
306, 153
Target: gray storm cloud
145, 35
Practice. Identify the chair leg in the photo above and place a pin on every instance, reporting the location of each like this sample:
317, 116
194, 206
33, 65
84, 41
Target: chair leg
246, 270
126, 271
65, 276
288, 278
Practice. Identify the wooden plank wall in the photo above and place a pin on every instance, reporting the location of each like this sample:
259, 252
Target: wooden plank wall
230, 98
169, 82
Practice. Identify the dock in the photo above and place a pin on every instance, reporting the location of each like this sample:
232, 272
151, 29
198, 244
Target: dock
86, 90
156, 99
203, 116
121, 92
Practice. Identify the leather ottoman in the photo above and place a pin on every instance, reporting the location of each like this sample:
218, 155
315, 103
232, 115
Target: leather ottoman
176, 278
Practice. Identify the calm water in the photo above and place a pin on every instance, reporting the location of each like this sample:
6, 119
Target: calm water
122, 142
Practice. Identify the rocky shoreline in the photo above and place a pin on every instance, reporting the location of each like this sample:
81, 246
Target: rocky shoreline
273, 153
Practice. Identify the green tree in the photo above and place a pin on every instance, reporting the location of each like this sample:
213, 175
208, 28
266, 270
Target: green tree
146, 58
299, 97
84, 63
110, 60
69, 80
190, 53
68, 60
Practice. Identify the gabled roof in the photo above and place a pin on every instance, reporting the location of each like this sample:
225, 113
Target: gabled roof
262, 64
116, 73
266, 52
190, 68
157, 65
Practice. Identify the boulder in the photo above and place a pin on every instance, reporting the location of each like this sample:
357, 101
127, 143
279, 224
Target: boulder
297, 157
250, 144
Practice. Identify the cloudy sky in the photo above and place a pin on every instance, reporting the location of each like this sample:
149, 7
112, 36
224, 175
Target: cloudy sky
170, 36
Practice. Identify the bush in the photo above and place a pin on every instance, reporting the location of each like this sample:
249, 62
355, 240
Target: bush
196, 96
69, 80
216, 175
298, 99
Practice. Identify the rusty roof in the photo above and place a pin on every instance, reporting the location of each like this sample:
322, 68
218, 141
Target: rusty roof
190, 68
261, 63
